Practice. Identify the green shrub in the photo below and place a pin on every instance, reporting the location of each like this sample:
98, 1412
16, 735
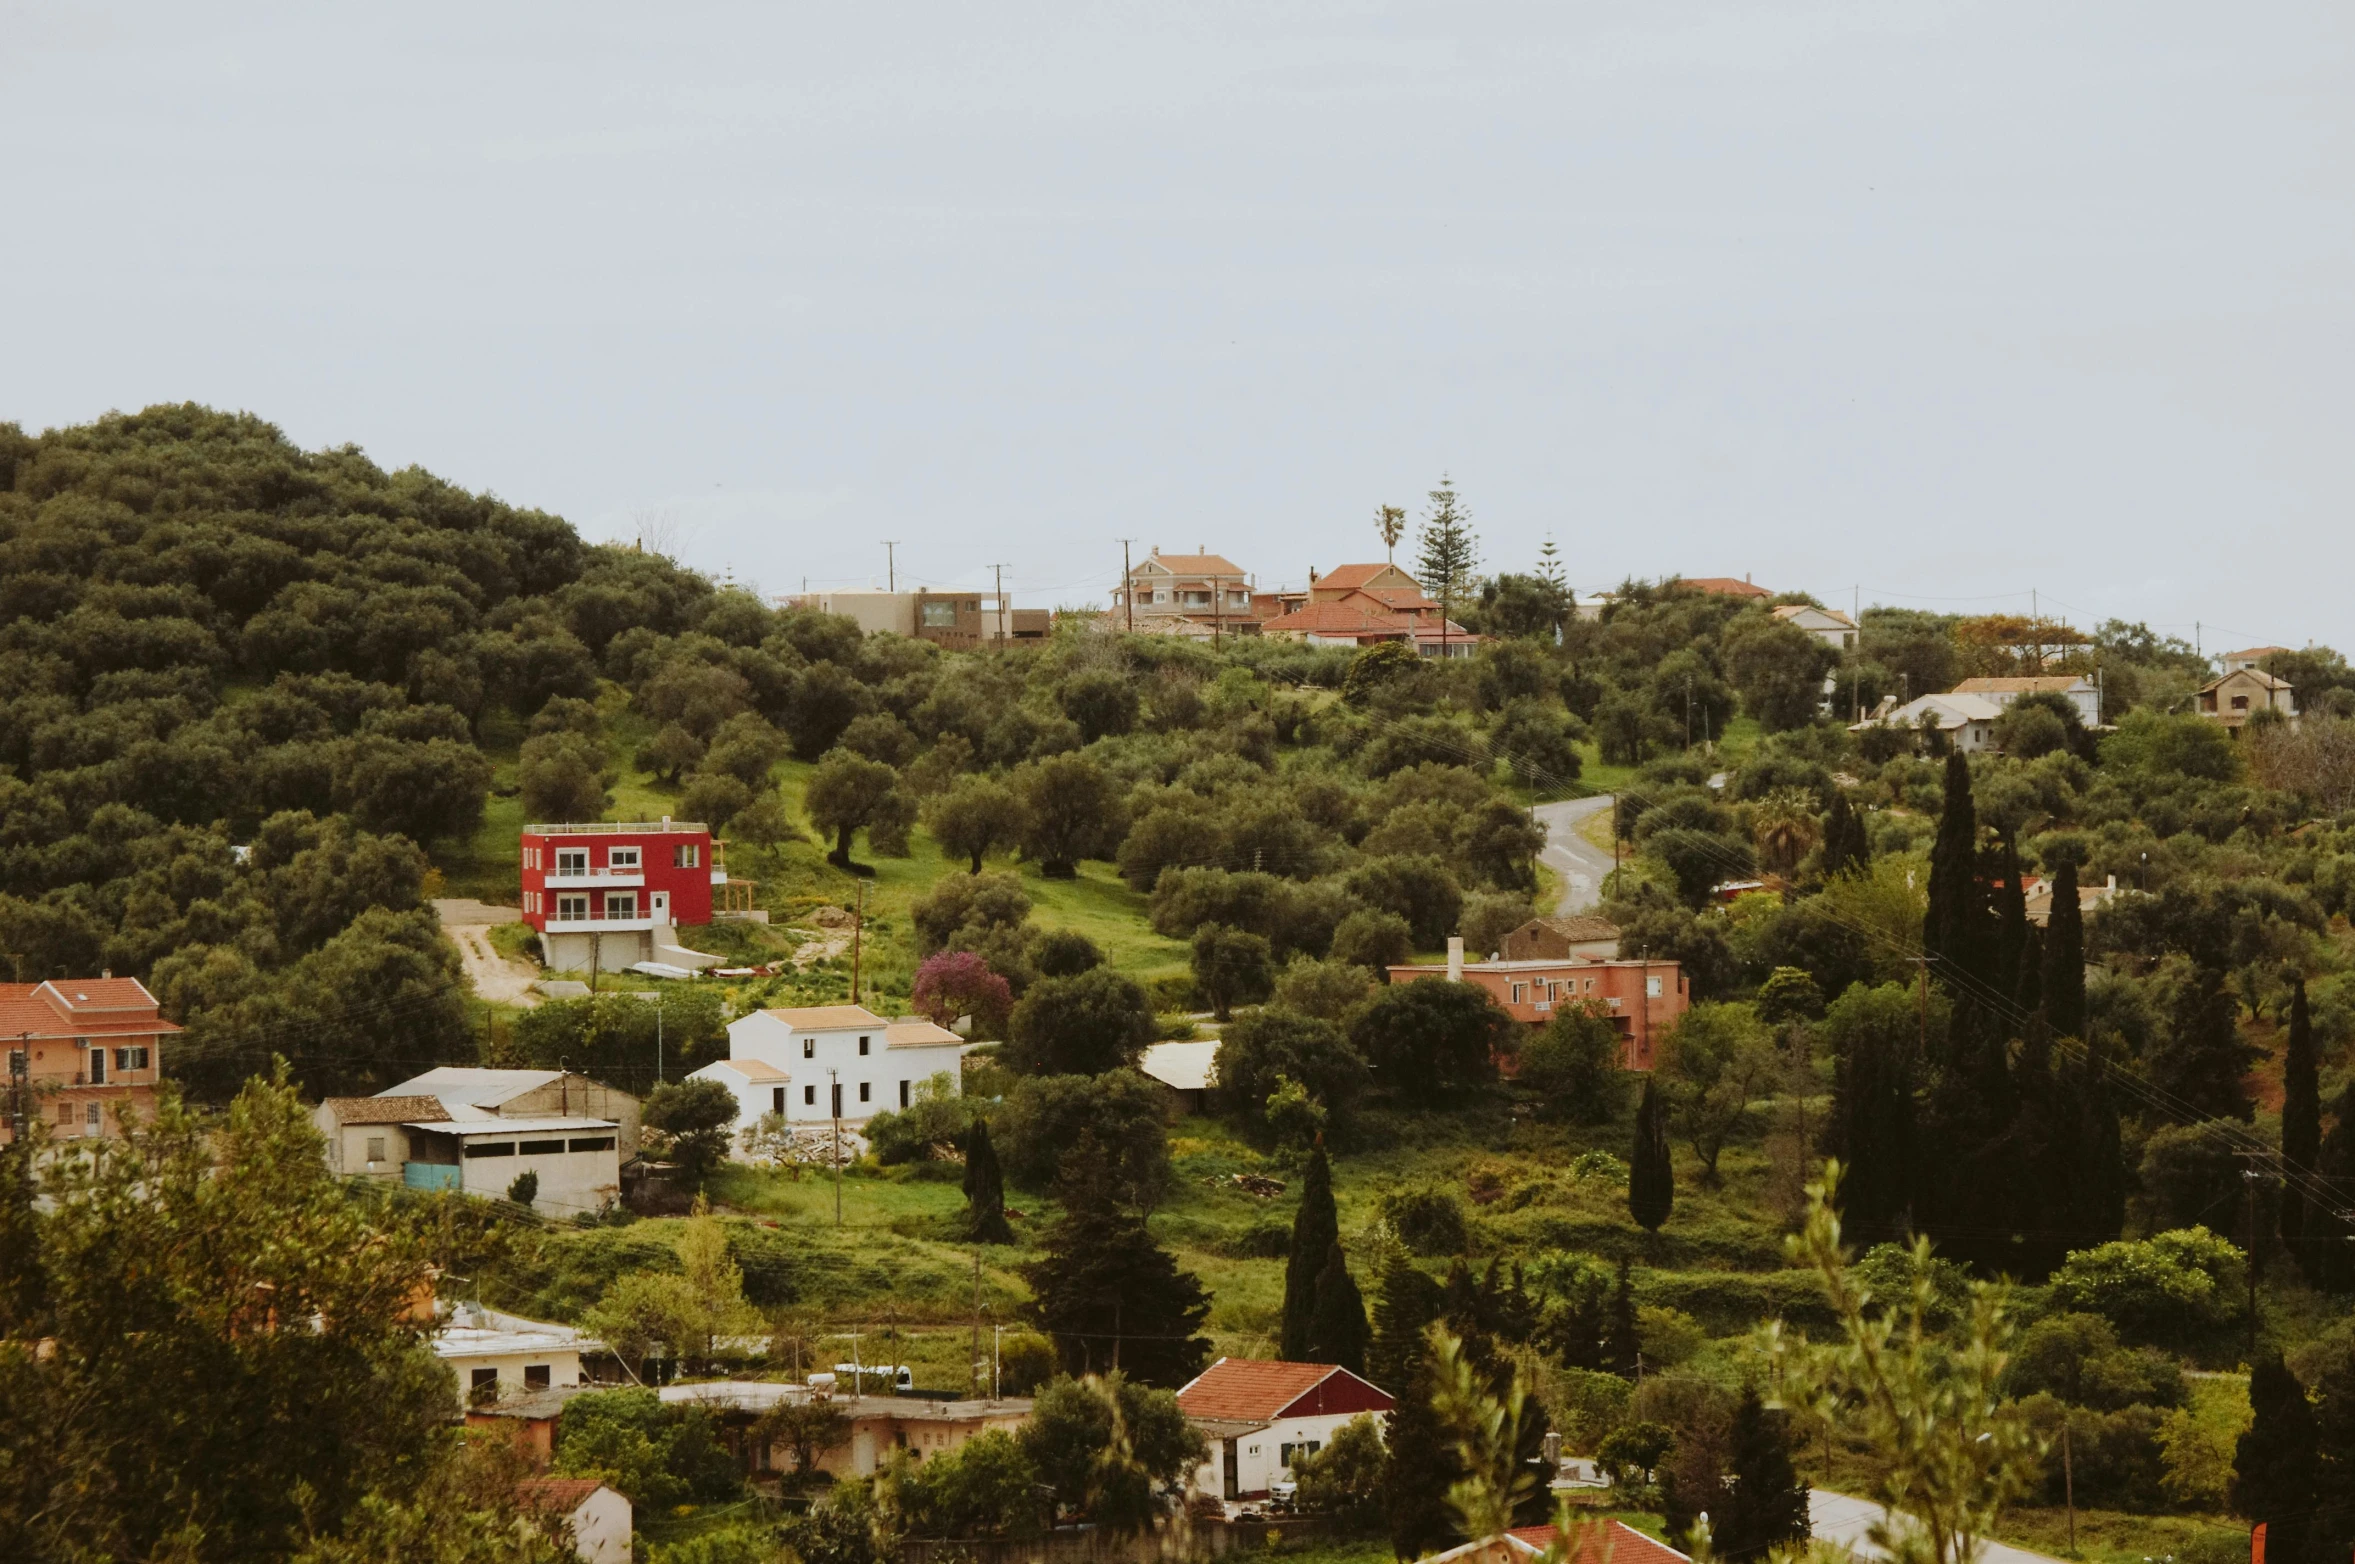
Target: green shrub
1428, 1221
2173, 1287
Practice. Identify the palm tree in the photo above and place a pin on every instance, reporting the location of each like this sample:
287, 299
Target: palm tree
1785, 826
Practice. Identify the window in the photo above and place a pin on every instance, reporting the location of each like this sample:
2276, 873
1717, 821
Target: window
591, 1143
1651, 988
376, 1148
903, 1094
809, 1048
622, 858
572, 909
492, 1148
97, 1066
2240, 703
90, 1119
809, 1096
866, 1091
862, 1048
777, 1099
940, 616
130, 1058
485, 1387
620, 904
686, 855
543, 1148
1520, 992
535, 1376
572, 860
65, 1113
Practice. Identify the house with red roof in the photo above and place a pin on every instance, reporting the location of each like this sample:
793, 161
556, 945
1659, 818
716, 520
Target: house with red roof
597, 1519
1362, 605
1260, 1415
85, 1048
1724, 586
1176, 593
1602, 1542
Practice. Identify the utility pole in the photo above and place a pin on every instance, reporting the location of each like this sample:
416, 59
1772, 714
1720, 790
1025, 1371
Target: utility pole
891, 564
834, 1102
1217, 609
997, 576
20, 1071
973, 1374
1128, 588
2249, 1178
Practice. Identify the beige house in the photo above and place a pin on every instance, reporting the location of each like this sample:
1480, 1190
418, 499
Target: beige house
1828, 625
879, 1425
1205, 587
2241, 694
2251, 657
959, 621
2074, 688
476, 1131
494, 1356
1573, 937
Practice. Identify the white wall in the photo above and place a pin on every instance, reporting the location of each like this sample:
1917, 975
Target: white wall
601, 1528
881, 1069
1259, 1456
570, 1182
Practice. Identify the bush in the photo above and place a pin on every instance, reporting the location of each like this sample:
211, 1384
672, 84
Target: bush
1230, 968
653, 1454
1420, 890
1047, 1115
1572, 1064
1264, 1045
1368, 938
1487, 918
1328, 990
2171, 1288
1084, 1025
1428, 1221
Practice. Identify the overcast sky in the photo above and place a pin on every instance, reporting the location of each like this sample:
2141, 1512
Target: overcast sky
1949, 301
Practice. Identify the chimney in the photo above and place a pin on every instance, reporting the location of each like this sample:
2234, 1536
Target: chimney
1455, 958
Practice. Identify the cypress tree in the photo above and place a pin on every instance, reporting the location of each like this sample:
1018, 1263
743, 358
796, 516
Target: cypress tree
1622, 1347
1407, 1304
1420, 1464
1338, 1328
2301, 1123
2064, 957
1651, 1179
2199, 1058
2028, 986
985, 1190
1765, 1506
1871, 1131
2011, 917
1315, 1227
2277, 1468
2329, 1238
1845, 847
1954, 929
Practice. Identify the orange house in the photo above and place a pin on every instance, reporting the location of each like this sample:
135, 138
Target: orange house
1643, 999
86, 1048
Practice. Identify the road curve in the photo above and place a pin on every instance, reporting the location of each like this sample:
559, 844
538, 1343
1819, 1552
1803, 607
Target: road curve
1837, 1517
1580, 863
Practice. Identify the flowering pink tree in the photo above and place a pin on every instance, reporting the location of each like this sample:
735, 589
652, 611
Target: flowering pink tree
959, 983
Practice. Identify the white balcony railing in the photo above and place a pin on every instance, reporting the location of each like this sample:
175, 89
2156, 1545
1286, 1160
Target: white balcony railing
600, 925
598, 880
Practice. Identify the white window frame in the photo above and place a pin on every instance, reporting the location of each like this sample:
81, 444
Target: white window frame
620, 905
572, 860
572, 909
621, 858
687, 855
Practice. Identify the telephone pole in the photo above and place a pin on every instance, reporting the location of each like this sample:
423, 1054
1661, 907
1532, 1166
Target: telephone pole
1128, 593
997, 575
20, 1070
891, 564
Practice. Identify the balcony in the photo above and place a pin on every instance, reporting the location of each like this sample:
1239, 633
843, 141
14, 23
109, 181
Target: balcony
599, 926
620, 828
598, 880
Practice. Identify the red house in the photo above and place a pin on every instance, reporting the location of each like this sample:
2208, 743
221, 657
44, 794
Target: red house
79, 1050
607, 897
1641, 998
1259, 1416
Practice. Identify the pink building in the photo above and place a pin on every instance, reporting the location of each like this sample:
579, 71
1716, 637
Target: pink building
1643, 999
612, 896
84, 1048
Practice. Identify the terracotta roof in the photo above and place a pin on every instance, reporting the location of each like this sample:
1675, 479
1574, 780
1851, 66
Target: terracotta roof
1620, 1541
1724, 586
1355, 575
80, 1007
1260, 1389
918, 1034
752, 1069
2259, 651
826, 1018
1577, 926
1330, 618
2034, 684
2259, 676
386, 1110
1399, 599
557, 1495
1195, 564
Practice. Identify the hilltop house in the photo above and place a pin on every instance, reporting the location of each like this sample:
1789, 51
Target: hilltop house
2252, 657
826, 1062
494, 1357
1967, 721
1167, 591
1643, 998
2241, 694
608, 897
1725, 586
1828, 625
1261, 1415
1563, 938
598, 1519
922, 1426
1363, 605
2074, 688
88, 1048
477, 1130
955, 620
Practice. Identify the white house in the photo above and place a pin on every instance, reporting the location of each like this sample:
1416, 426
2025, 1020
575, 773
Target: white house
598, 1518
1260, 1415
825, 1062
1968, 721
2075, 688
1828, 625
494, 1356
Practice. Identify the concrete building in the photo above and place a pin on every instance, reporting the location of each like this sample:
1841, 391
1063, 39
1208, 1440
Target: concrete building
598, 1520
1828, 625
493, 1356
2252, 657
2241, 694
879, 1425
958, 621
477, 1130
88, 1048
1261, 1415
830, 1061
1202, 588
2074, 688
1185, 1070
1572, 936
1643, 999
1967, 721
609, 897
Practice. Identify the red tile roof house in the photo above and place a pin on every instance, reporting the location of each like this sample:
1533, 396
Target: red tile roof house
1260, 1415
599, 1519
94, 1047
1605, 1542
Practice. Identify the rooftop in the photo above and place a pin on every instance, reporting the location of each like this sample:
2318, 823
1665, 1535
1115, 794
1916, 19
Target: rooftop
1192, 564
2259, 676
1253, 1390
919, 1034
1338, 619
1724, 586
473, 1087
826, 1018
498, 1126
616, 827
1343, 576
556, 1495
750, 1069
762, 1395
1577, 926
1185, 1067
2032, 684
475, 1332
74, 1007
385, 1110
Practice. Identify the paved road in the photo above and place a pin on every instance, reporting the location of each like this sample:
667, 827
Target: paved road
1835, 1517
1580, 863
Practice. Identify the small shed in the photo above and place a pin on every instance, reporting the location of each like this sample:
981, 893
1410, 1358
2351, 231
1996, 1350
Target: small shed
1185, 1070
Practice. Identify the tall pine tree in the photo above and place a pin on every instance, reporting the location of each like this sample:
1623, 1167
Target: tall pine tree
1622, 1347
985, 1189
1315, 1227
2064, 957
1845, 848
2301, 1125
1408, 1302
1651, 1177
1765, 1504
1337, 1327
2199, 1057
2277, 1467
1109, 1296
1955, 934
2011, 916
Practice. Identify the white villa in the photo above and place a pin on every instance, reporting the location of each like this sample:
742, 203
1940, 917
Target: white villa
825, 1062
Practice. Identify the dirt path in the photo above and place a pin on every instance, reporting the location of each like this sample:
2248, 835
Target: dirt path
495, 978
